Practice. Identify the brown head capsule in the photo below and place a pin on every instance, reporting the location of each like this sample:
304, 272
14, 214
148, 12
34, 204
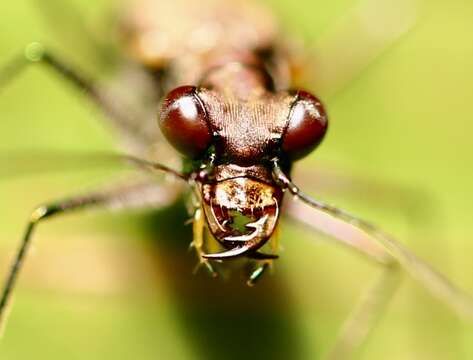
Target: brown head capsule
183, 121
247, 131
307, 125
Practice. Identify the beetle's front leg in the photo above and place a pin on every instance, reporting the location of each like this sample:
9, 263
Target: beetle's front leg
141, 195
198, 228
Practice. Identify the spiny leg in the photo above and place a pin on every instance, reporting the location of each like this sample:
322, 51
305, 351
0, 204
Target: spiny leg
417, 206
49, 161
370, 307
378, 246
432, 280
130, 196
372, 304
198, 228
108, 103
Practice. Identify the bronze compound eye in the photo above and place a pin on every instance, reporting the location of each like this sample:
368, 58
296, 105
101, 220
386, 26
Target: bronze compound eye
306, 127
183, 121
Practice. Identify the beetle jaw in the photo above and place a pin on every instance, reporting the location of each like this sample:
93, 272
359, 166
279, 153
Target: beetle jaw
241, 214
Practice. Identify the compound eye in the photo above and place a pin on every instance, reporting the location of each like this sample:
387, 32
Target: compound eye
307, 126
183, 121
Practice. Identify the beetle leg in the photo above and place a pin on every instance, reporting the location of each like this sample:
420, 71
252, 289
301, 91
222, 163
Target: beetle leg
198, 227
258, 272
117, 113
266, 260
144, 195
387, 252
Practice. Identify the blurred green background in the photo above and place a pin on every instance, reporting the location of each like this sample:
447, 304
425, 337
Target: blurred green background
103, 286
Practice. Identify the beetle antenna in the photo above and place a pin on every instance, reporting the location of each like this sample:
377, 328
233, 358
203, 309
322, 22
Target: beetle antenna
430, 278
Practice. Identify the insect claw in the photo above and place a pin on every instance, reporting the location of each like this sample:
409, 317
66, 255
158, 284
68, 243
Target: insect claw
208, 266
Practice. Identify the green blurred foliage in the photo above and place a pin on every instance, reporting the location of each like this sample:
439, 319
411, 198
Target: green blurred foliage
405, 120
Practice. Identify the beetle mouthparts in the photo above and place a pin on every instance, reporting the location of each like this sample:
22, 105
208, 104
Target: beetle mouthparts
258, 232
251, 241
242, 214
